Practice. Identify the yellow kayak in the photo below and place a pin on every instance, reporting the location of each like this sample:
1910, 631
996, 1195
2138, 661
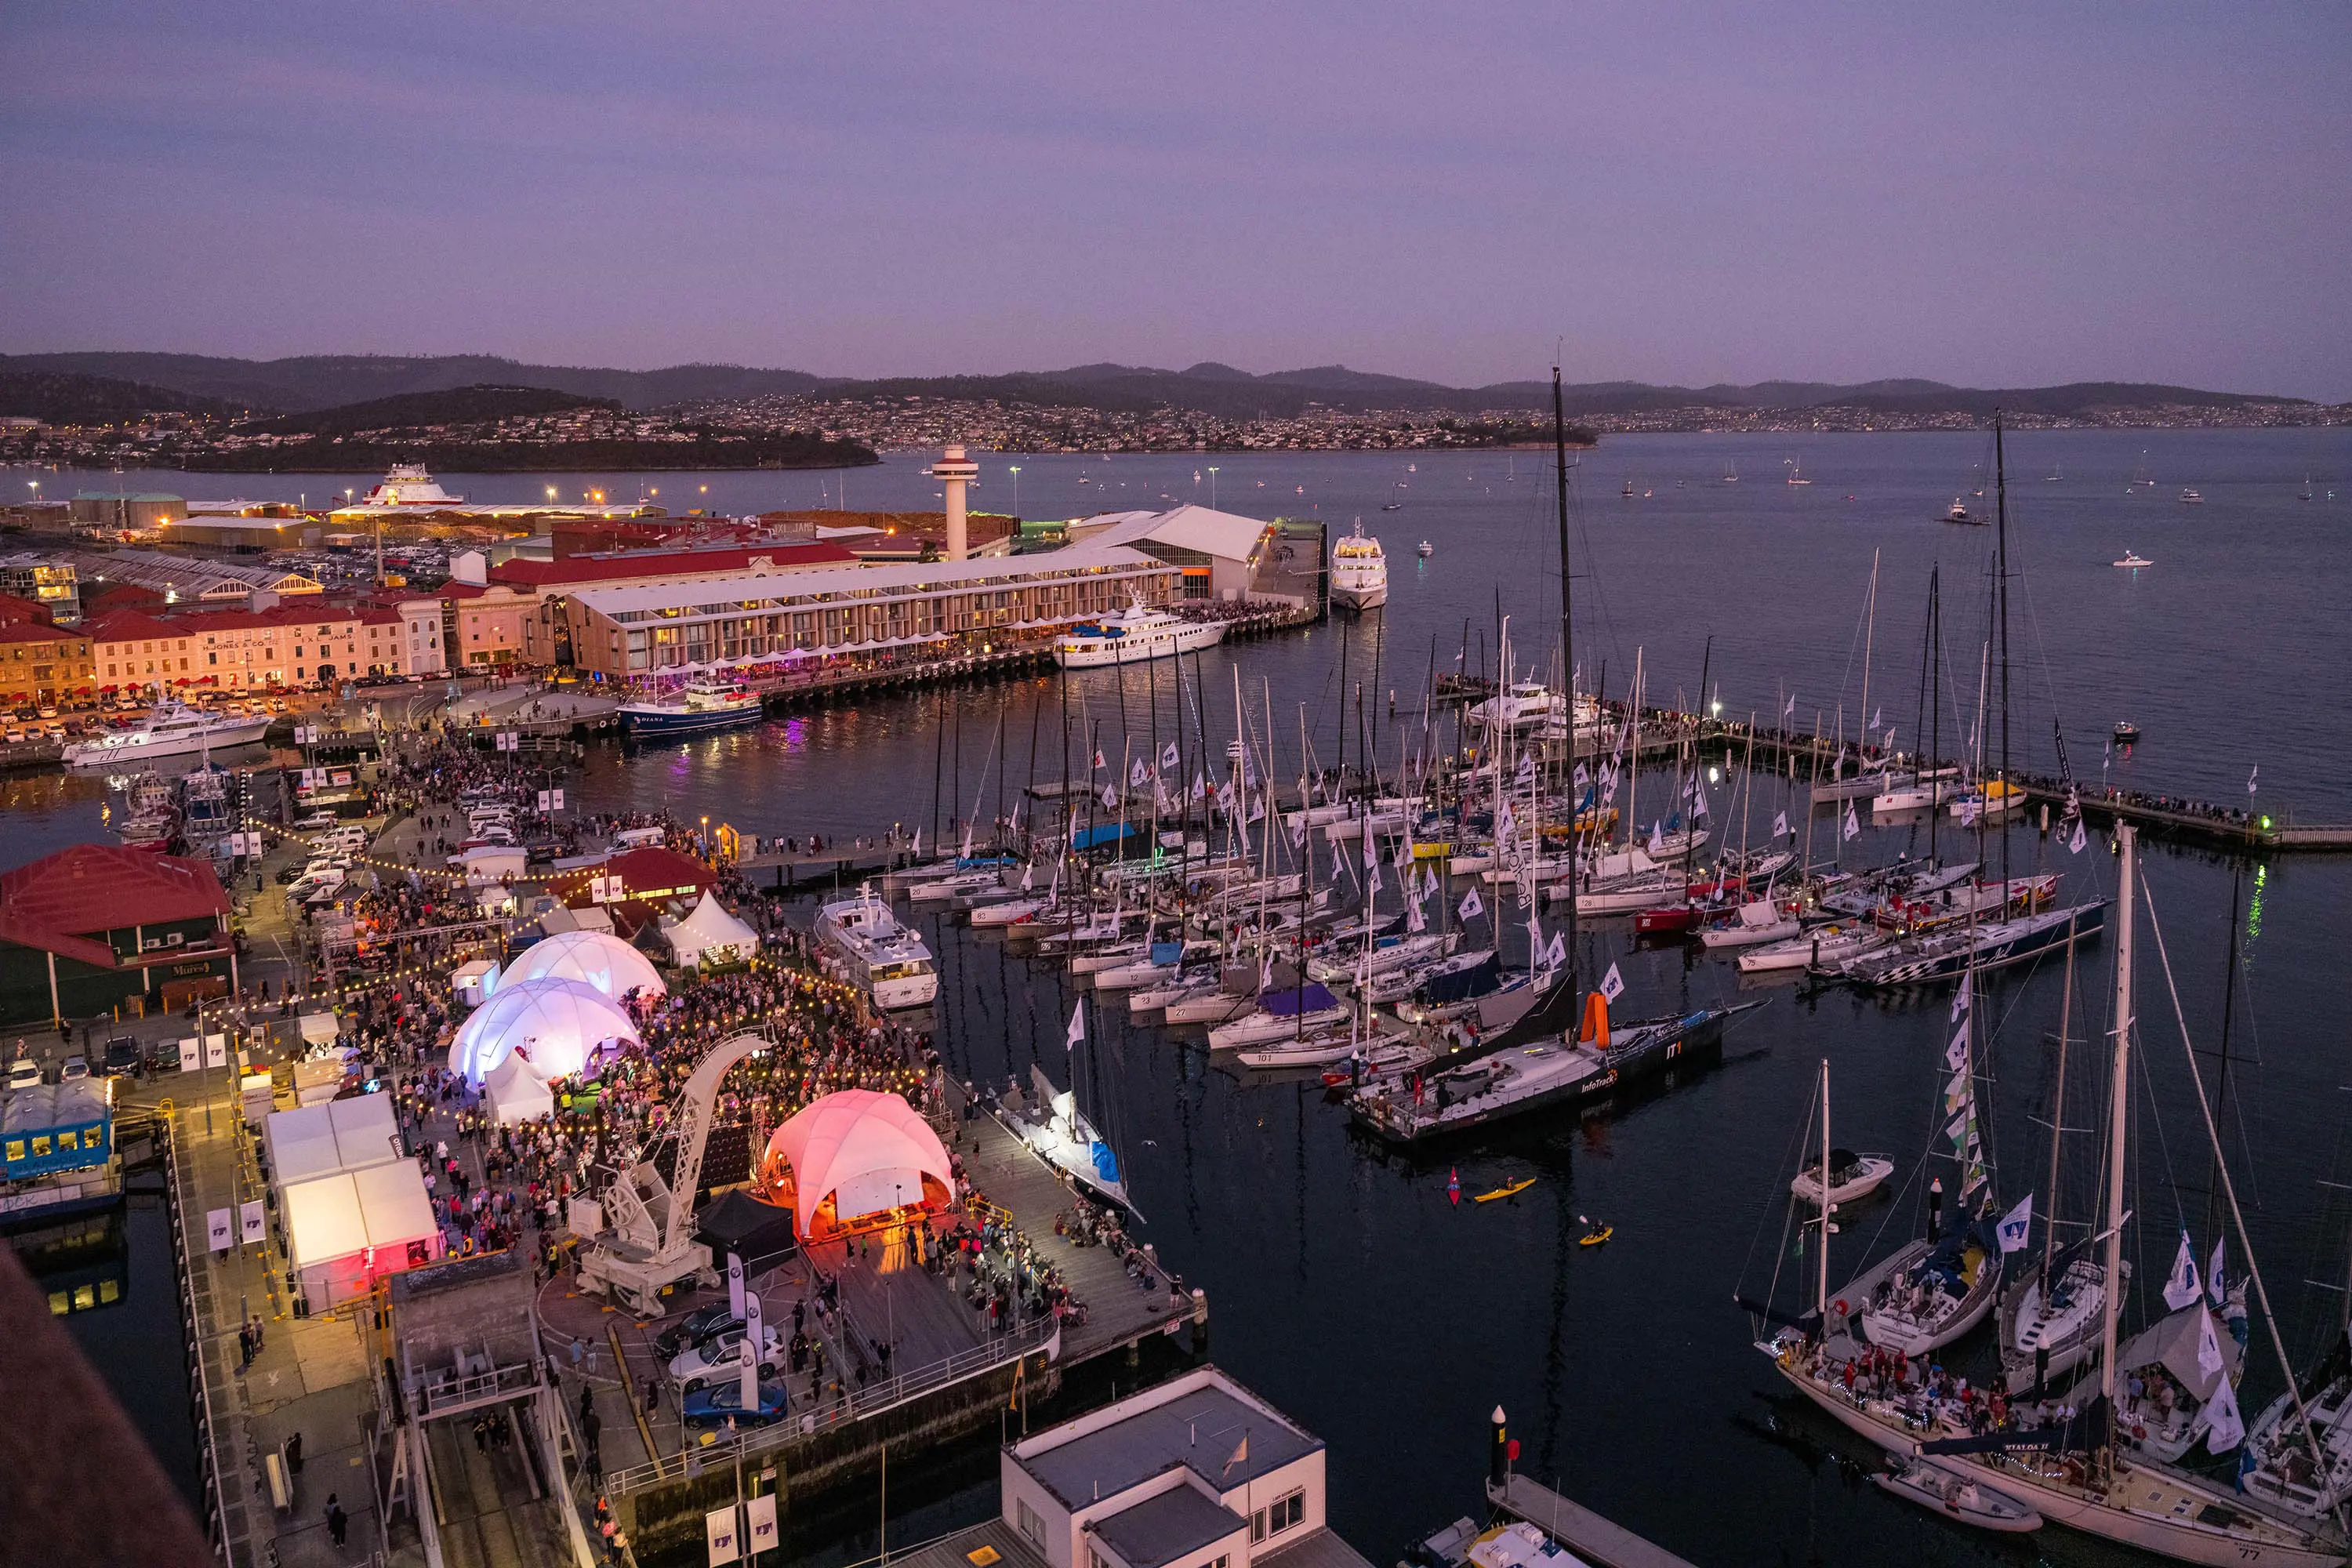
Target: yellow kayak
1510, 1190
1596, 1235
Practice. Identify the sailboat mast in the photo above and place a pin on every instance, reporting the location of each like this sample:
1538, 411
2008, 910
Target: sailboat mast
1869, 634
2000, 567
1929, 764
2057, 1121
2118, 1106
1821, 1258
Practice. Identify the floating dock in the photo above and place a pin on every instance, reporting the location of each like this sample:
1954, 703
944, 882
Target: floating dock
1582, 1530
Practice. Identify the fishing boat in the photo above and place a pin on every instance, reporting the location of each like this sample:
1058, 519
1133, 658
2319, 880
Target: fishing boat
1956, 1495
169, 729
2132, 561
1137, 635
1049, 1121
1359, 572
698, 707
887, 960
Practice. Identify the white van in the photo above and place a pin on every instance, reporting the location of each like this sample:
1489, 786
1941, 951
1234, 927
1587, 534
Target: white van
637, 837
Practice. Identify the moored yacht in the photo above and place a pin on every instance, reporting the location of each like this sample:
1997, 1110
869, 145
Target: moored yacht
1359, 573
1136, 634
886, 960
693, 709
170, 731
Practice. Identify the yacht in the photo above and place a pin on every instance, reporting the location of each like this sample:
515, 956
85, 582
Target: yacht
1136, 636
1049, 1121
1359, 573
1428, 550
2134, 560
170, 730
1797, 473
886, 960
696, 707
408, 484
2191, 497
1525, 703
1959, 512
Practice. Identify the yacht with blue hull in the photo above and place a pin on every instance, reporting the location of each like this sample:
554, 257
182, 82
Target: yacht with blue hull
694, 709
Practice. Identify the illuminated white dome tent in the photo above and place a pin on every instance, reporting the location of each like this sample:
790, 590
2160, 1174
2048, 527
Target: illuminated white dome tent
856, 1153
556, 1024
596, 958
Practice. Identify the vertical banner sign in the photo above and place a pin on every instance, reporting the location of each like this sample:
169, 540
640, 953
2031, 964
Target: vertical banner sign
251, 1227
542, 800
191, 1054
215, 1050
754, 1340
760, 1533
220, 1228
734, 1285
559, 798
719, 1529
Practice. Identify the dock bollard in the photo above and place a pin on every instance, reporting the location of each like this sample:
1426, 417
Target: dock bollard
1200, 1322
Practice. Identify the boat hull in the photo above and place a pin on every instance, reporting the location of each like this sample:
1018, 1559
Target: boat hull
656, 724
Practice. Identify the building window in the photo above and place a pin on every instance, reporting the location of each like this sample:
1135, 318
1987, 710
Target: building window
1031, 1527
1283, 1513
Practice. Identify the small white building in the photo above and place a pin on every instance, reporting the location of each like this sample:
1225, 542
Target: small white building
1198, 1472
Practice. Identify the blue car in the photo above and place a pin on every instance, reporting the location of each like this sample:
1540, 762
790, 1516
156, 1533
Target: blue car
712, 1406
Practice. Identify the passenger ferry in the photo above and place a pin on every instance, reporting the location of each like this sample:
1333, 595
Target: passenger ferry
698, 706
409, 485
170, 731
1135, 636
889, 961
1359, 573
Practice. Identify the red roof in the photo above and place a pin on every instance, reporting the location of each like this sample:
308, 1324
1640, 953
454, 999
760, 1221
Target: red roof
60, 903
35, 631
665, 563
121, 626
14, 610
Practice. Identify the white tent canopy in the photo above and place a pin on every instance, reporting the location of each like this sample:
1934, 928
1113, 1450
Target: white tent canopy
301, 1144
557, 1025
596, 958
708, 934
515, 1093
864, 1150
345, 1230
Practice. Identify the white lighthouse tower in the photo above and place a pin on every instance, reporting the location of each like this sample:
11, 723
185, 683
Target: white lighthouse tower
955, 472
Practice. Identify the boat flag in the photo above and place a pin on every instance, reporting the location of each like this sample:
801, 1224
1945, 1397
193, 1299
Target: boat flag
1298, 831
1225, 795
1698, 800
2253, 776
2213, 1271
1454, 1186
1428, 880
2074, 842
1029, 876
1526, 770
2224, 1428
1612, 984
1781, 825
1200, 787
2208, 1346
1583, 775
1372, 883
1876, 718
1557, 953
1955, 1055
1657, 840
1137, 773
1853, 828
1099, 763
1168, 757
1414, 921
1338, 865
1077, 1024
1963, 995
917, 850
1471, 907
1372, 852
1789, 710
2017, 1224
1110, 798
966, 851
2182, 1287
1971, 811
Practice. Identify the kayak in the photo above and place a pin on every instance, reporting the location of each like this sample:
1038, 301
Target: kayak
1596, 1235
1508, 1190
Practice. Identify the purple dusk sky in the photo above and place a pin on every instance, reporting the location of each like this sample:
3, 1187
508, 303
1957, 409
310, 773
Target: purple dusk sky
1987, 194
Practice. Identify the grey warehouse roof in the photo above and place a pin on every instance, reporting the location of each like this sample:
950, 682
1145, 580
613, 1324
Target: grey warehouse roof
1198, 1429
1164, 1528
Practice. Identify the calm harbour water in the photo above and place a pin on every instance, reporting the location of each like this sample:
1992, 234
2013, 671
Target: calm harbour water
1343, 1282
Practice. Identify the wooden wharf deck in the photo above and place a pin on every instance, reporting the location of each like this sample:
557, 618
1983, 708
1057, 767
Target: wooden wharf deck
1583, 1531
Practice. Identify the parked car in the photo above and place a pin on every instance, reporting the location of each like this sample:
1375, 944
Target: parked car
711, 1406
123, 1055
721, 1354
693, 1329
76, 1065
24, 1073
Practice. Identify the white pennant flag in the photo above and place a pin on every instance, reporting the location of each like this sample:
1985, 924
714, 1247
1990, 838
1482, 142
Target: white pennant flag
1657, 840
2017, 1224
1414, 921
966, 851
1110, 798
1853, 828
1612, 984
2252, 777
1099, 763
1583, 775
1200, 787
1698, 802
1137, 773
1078, 1025
2224, 1428
1338, 865
2076, 840
1372, 883
1557, 953
2182, 1287
1471, 907
1878, 719
2208, 1346
1371, 852
1168, 757
1428, 879
1029, 876
1963, 996
917, 850
1955, 1055
1789, 710
2214, 1285
1781, 825
1527, 769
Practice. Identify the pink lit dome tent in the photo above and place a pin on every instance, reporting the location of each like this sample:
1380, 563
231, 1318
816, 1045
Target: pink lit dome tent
853, 1159
556, 1026
596, 958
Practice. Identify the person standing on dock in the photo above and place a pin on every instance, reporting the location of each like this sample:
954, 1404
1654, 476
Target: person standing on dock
339, 1523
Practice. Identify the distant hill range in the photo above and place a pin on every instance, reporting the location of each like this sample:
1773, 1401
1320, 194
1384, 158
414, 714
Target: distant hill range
61, 397
198, 383
412, 410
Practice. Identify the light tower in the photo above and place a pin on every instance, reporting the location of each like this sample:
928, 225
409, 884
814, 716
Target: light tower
955, 472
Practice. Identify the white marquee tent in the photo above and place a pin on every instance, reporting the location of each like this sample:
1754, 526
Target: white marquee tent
557, 1025
596, 958
346, 1230
710, 935
515, 1093
316, 1141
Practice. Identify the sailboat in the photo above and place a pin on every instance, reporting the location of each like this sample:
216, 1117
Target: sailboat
1392, 504
1730, 472
2069, 1466
1797, 473
1057, 1132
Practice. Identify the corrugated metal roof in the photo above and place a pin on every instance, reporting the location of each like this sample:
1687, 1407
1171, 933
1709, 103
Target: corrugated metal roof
900, 577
